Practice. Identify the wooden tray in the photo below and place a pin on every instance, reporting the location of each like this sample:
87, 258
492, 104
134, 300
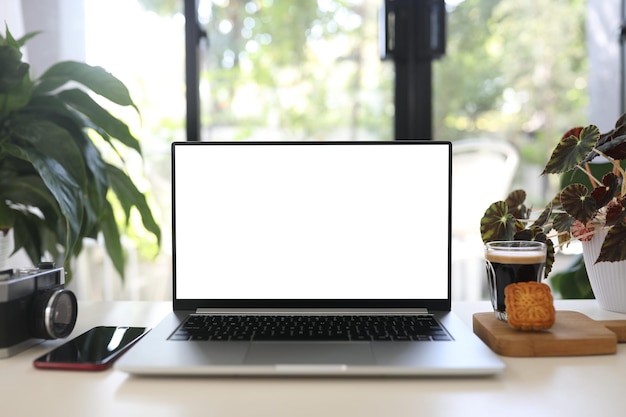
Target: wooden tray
573, 334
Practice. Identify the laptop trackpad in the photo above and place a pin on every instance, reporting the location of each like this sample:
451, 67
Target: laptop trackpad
314, 353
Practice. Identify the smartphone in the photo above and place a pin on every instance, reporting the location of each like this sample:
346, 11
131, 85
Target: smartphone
93, 350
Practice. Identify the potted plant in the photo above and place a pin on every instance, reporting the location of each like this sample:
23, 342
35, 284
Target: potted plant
594, 215
61, 159
510, 219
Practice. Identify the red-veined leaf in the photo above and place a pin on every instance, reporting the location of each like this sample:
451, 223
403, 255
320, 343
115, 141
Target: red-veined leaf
602, 195
498, 224
515, 202
572, 150
614, 245
563, 222
577, 202
615, 213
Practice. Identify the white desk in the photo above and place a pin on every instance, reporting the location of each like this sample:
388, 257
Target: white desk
572, 386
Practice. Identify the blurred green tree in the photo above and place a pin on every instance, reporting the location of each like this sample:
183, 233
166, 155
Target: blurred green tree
513, 70
309, 69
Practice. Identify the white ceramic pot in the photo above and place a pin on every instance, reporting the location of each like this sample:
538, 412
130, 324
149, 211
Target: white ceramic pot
607, 279
5, 248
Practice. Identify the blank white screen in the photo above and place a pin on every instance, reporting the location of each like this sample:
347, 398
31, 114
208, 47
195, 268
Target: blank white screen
318, 221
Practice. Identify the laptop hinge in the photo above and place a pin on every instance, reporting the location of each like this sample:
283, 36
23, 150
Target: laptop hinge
309, 311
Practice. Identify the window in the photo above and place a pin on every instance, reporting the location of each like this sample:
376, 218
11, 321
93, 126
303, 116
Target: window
270, 70
310, 70
284, 70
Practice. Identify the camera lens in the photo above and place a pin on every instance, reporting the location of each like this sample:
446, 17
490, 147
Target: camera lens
54, 314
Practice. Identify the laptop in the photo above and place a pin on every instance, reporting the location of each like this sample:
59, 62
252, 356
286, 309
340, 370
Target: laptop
300, 231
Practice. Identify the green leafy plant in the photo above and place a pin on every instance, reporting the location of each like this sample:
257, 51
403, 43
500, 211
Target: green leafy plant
510, 220
56, 187
577, 212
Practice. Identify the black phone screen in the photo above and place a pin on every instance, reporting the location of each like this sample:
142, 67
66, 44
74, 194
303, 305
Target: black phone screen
94, 349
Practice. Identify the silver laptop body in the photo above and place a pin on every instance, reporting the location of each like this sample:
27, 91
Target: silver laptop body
301, 228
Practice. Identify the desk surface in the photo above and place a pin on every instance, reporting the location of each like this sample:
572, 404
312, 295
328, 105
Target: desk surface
570, 386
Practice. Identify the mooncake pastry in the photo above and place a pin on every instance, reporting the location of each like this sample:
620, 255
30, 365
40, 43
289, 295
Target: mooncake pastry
529, 306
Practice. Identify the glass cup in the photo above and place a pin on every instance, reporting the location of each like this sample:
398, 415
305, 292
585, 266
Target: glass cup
509, 262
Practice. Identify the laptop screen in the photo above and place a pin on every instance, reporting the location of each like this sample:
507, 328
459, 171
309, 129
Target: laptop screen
314, 222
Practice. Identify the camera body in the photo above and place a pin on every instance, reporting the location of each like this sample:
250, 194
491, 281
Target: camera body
34, 306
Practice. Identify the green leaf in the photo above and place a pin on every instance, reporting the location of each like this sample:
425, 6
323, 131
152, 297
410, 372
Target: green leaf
27, 235
614, 245
7, 216
53, 142
563, 222
498, 224
11, 41
550, 256
57, 112
112, 240
94, 206
528, 234
53, 180
129, 196
61, 185
15, 84
572, 150
22, 41
96, 79
30, 190
577, 202
515, 202
102, 120
515, 198
12, 70
16, 97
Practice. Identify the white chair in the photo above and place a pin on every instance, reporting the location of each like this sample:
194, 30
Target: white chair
482, 172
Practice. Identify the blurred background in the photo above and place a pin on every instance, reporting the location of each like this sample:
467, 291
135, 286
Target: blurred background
514, 77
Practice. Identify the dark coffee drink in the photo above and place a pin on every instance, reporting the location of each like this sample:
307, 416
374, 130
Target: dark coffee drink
511, 262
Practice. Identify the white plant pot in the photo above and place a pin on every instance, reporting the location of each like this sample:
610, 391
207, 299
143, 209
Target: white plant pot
607, 279
5, 249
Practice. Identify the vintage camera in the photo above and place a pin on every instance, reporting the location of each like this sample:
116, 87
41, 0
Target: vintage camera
34, 305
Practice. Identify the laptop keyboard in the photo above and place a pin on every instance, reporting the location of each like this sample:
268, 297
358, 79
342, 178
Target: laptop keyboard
310, 328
